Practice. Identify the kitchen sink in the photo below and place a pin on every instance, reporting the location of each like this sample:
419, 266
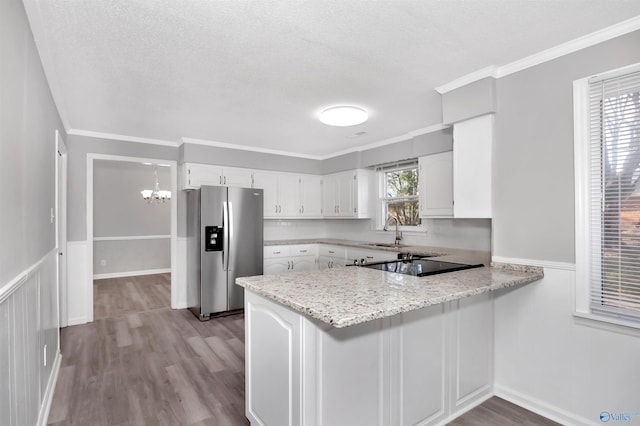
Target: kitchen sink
385, 245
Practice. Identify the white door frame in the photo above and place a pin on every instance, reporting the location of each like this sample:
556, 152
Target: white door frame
176, 287
61, 227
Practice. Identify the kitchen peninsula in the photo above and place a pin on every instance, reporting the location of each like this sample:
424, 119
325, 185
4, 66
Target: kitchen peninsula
357, 346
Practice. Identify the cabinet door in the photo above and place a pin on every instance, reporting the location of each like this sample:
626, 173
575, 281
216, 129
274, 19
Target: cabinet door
330, 262
345, 188
269, 183
303, 263
203, 174
276, 266
273, 363
233, 176
310, 195
329, 205
288, 195
436, 185
421, 352
472, 146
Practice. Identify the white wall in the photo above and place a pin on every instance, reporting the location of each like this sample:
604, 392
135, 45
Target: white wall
554, 363
546, 359
28, 253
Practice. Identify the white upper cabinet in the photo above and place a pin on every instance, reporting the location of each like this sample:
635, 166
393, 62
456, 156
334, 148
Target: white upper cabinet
195, 175
268, 182
234, 176
472, 152
436, 185
311, 196
346, 194
289, 195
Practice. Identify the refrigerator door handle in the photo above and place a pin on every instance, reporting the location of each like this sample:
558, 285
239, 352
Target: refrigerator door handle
227, 231
230, 234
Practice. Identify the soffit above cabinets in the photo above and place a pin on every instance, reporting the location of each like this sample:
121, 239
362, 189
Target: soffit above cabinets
257, 73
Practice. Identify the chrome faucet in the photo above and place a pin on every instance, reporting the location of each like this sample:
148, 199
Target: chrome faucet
398, 233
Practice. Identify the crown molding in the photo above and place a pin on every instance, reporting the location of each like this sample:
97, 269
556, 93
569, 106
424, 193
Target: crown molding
563, 49
404, 137
124, 138
429, 129
247, 148
183, 140
491, 71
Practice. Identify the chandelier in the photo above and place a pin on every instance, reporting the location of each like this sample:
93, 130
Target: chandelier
156, 194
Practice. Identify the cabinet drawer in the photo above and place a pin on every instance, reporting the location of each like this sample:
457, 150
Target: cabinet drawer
271, 252
332, 251
303, 250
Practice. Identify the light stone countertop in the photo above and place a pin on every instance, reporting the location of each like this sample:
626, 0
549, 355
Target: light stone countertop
471, 257
342, 297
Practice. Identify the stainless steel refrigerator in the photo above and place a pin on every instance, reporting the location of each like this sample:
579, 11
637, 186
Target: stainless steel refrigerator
224, 241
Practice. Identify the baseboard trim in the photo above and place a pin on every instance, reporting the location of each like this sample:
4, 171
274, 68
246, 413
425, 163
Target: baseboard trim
466, 408
47, 398
131, 273
540, 407
77, 321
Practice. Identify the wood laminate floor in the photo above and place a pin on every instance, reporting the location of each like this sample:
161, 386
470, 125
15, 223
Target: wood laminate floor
119, 296
498, 412
142, 363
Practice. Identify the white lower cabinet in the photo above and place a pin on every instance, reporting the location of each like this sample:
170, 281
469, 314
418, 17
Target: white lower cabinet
331, 256
473, 362
272, 354
304, 263
275, 266
420, 365
423, 367
279, 259
369, 256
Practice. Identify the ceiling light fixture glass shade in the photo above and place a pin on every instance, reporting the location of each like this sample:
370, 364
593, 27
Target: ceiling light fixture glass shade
343, 116
157, 195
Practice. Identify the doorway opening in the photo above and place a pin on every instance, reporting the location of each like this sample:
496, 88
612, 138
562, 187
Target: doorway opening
132, 242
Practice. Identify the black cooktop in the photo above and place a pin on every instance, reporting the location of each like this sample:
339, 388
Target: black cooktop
419, 267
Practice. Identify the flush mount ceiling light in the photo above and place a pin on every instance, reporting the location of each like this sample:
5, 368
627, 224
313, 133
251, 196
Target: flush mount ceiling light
343, 116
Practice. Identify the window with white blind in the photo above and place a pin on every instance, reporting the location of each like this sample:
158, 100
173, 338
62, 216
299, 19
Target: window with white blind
399, 193
608, 211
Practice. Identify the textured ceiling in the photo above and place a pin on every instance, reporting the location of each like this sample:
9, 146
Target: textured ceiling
256, 73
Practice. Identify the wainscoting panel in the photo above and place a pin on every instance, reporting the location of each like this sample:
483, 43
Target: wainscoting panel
79, 283
29, 343
179, 278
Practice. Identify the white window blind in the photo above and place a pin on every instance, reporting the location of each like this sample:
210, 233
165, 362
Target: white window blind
614, 129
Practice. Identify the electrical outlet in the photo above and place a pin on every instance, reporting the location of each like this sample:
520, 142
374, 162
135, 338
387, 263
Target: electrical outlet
44, 359
103, 262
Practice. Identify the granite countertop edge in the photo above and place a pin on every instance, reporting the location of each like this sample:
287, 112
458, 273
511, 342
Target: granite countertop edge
355, 308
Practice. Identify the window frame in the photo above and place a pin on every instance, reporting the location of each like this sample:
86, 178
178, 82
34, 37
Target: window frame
382, 201
583, 190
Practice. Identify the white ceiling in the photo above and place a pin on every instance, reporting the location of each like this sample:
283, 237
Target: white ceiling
256, 73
